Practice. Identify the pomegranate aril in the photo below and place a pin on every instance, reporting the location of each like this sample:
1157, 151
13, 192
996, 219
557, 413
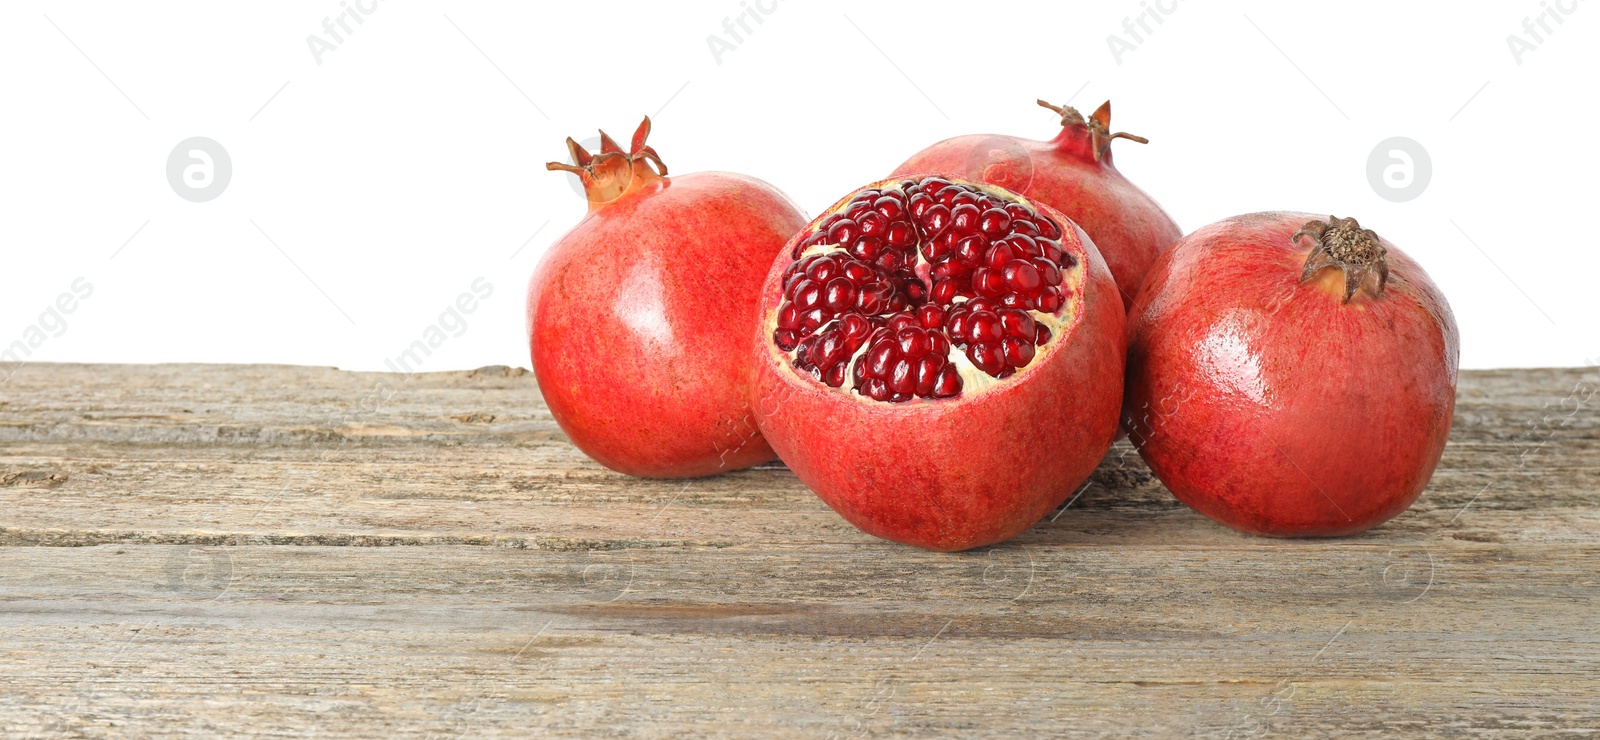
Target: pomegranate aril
1017, 352
964, 197
1050, 301
918, 204
994, 223
985, 327
913, 342
1047, 228
934, 220
834, 377
1022, 277
1016, 323
880, 357
988, 283
872, 223
841, 294
931, 315
843, 231
785, 339
947, 197
999, 255
876, 389
970, 250
949, 383
987, 357
1041, 334
944, 291
789, 317
1049, 274
811, 320
1025, 228
964, 218
902, 377
858, 272
807, 294
900, 235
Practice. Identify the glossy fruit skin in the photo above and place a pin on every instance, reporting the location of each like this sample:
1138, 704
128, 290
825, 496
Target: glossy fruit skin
1127, 225
954, 474
1271, 406
639, 323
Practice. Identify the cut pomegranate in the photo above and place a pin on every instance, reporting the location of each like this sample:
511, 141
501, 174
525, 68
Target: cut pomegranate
940, 360
922, 287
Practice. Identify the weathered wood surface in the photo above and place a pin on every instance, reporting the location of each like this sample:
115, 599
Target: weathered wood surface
290, 551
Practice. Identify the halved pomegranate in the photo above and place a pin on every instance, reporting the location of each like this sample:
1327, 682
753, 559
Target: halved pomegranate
940, 360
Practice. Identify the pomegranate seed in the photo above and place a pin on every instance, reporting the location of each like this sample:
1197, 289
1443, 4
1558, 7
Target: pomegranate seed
1025, 228
913, 342
999, 255
1016, 323
891, 207
1048, 229
811, 320
919, 204
1041, 334
900, 235
903, 376
934, 220
1050, 301
841, 294
872, 223
964, 218
985, 327
1018, 352
994, 223
1022, 277
931, 316
785, 339
944, 291
843, 231
949, 383
834, 377
971, 250
789, 317
987, 357
988, 283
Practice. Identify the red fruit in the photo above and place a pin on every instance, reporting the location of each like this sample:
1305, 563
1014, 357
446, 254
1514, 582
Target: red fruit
964, 419
1072, 173
639, 317
1290, 376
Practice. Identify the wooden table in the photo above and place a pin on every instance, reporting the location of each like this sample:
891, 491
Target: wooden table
297, 551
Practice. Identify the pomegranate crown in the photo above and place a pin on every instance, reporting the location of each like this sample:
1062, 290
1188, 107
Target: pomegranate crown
612, 172
1342, 243
1098, 124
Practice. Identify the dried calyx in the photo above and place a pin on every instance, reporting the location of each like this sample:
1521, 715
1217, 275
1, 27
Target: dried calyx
925, 289
1342, 243
1098, 124
613, 172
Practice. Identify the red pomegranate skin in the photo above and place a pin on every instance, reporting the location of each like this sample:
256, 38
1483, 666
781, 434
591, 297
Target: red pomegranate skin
1127, 225
1271, 405
955, 474
639, 323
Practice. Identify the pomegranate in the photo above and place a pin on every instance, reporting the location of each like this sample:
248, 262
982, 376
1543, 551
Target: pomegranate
639, 317
1290, 375
1072, 173
940, 360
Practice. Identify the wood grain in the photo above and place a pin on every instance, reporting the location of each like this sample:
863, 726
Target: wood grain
293, 551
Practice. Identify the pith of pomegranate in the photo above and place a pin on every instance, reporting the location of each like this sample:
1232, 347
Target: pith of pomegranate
639, 317
1074, 174
940, 360
1291, 375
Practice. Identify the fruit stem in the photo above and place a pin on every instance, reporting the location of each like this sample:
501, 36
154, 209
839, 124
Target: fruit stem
612, 173
1098, 125
1342, 243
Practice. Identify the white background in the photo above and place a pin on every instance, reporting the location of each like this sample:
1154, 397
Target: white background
370, 190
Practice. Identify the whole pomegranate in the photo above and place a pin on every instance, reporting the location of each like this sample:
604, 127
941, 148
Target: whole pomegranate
940, 360
1071, 173
639, 317
1290, 375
